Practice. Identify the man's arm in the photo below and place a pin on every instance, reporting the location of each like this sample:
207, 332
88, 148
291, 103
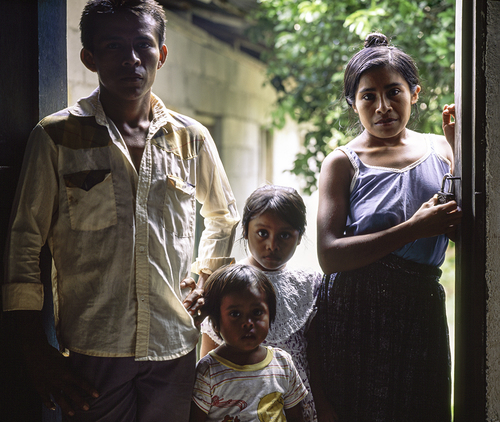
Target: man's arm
220, 215
34, 208
218, 209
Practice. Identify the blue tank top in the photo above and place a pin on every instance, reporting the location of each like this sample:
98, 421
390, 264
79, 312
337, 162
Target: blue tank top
383, 197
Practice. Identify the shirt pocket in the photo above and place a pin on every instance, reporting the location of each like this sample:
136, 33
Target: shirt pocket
91, 200
179, 211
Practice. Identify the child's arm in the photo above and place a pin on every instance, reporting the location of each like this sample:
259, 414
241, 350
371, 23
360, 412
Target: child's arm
323, 407
294, 414
197, 415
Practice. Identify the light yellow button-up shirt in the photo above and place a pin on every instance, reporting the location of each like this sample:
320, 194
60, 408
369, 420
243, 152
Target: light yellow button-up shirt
121, 240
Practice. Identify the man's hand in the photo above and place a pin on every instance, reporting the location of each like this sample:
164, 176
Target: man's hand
194, 300
51, 376
48, 369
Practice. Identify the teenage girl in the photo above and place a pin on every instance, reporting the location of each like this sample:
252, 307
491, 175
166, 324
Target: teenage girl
381, 239
274, 221
242, 380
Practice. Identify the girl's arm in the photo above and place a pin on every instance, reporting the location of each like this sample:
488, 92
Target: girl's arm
449, 127
339, 253
324, 409
207, 344
197, 415
294, 414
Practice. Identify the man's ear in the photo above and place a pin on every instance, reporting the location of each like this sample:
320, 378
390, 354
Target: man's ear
163, 56
87, 59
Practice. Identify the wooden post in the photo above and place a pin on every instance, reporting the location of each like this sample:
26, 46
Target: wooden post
33, 75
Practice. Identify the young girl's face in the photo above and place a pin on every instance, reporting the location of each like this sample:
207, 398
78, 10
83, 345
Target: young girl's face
244, 320
383, 102
272, 241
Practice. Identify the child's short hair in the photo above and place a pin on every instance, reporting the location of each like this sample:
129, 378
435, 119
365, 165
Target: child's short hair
281, 200
95, 8
233, 279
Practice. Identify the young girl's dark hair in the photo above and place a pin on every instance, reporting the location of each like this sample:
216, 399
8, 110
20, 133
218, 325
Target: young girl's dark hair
234, 279
96, 8
285, 202
378, 53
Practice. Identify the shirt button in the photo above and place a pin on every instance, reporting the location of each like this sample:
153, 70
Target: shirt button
142, 298
141, 248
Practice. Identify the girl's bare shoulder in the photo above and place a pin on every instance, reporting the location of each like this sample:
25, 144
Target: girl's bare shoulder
337, 159
442, 146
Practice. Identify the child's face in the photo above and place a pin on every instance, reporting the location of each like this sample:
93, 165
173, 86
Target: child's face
272, 242
244, 320
383, 102
126, 55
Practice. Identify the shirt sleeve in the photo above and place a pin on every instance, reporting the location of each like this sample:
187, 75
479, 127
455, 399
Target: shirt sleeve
34, 209
201, 391
218, 209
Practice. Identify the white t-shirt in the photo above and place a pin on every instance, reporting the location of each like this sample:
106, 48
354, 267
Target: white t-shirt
248, 393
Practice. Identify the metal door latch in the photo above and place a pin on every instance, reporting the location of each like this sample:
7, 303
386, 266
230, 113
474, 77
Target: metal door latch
447, 196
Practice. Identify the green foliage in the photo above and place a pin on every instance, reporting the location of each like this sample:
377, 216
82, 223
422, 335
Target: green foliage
310, 42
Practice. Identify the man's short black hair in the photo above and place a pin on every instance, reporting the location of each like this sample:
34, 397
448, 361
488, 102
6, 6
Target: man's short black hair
95, 8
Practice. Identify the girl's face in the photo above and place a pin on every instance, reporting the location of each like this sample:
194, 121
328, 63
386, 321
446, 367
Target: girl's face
383, 102
272, 241
244, 320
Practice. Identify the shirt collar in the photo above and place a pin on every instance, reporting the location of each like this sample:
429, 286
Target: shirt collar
91, 107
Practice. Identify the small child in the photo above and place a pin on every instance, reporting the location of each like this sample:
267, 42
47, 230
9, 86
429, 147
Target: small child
273, 223
242, 380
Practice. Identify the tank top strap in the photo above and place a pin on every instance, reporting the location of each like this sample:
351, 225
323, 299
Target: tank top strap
430, 142
355, 162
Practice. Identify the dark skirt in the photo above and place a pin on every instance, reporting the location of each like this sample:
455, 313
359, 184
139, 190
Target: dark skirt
384, 334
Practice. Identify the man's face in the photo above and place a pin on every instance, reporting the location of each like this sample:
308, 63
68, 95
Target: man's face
126, 55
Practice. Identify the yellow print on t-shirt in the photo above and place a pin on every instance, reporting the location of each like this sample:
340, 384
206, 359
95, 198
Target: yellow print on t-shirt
271, 408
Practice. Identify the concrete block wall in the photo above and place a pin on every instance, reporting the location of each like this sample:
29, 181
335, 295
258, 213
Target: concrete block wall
493, 219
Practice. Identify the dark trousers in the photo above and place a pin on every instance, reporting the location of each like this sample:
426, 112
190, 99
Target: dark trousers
136, 391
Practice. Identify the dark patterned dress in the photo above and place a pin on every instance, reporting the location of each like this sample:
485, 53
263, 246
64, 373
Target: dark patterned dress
384, 332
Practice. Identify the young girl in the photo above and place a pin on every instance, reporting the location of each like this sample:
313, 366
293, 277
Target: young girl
242, 380
382, 236
274, 221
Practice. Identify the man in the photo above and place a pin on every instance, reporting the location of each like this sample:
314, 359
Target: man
110, 184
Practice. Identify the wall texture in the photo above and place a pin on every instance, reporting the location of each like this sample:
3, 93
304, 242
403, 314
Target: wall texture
493, 207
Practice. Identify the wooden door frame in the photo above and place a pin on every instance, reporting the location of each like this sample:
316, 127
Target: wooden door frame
34, 84
471, 289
